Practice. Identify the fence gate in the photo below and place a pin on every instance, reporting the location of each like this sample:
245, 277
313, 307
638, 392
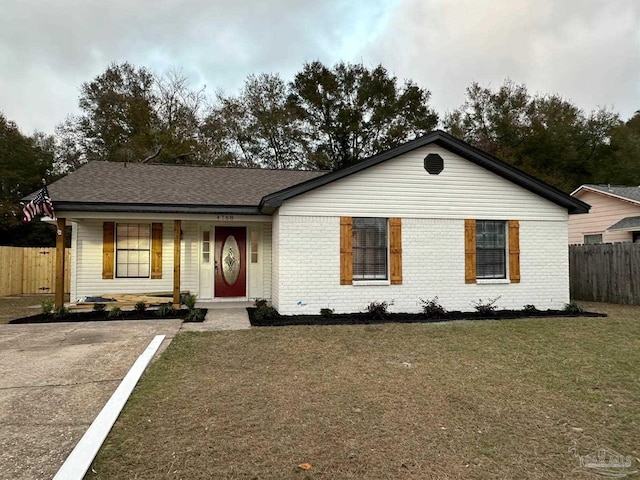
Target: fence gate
30, 270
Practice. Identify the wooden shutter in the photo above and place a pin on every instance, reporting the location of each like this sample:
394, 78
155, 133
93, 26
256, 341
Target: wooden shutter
156, 250
395, 250
514, 251
469, 251
108, 236
346, 251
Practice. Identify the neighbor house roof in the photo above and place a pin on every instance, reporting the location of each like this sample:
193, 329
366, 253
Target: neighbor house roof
624, 192
443, 139
139, 187
628, 223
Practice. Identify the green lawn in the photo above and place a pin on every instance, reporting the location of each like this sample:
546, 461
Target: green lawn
482, 399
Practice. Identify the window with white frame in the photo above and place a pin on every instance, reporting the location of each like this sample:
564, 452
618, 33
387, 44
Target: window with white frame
491, 252
133, 241
370, 249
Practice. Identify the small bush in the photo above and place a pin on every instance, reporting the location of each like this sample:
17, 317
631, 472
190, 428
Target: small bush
61, 312
190, 301
572, 308
47, 306
260, 302
487, 307
326, 312
265, 313
432, 308
378, 310
165, 310
530, 309
99, 307
195, 315
115, 312
140, 307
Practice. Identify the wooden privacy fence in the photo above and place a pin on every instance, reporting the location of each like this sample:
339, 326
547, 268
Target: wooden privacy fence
30, 270
607, 272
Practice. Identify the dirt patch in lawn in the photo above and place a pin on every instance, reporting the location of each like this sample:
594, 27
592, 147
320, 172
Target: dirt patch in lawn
494, 399
21, 306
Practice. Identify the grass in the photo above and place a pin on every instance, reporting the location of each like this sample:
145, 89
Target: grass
490, 399
21, 306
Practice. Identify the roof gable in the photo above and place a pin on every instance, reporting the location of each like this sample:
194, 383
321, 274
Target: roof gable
573, 205
621, 192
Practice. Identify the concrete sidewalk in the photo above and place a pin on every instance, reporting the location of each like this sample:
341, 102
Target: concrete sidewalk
221, 316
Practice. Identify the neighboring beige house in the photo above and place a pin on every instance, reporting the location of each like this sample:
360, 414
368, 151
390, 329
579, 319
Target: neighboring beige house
614, 215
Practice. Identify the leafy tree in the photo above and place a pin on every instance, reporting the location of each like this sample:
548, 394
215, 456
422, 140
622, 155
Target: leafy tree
351, 112
545, 135
24, 162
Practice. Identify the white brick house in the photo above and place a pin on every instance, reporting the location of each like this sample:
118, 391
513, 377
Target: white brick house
433, 217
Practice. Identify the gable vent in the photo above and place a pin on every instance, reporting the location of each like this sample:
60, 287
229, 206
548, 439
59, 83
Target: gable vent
433, 163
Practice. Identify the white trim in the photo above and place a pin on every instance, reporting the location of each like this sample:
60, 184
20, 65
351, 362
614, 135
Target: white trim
609, 194
79, 460
370, 283
202, 217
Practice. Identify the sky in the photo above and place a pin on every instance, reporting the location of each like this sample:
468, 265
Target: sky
587, 51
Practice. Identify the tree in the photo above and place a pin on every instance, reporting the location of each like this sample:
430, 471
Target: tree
544, 135
24, 162
351, 112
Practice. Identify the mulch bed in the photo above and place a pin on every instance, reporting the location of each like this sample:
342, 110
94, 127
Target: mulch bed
102, 316
367, 319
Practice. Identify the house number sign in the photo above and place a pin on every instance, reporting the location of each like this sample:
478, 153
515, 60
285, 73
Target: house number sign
225, 217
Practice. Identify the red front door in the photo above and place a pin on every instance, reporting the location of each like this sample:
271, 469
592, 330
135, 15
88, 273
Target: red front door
230, 266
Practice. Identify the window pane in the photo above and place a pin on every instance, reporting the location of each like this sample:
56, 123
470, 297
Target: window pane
133, 250
370, 248
490, 249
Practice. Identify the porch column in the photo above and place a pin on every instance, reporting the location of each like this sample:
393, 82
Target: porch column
59, 285
176, 262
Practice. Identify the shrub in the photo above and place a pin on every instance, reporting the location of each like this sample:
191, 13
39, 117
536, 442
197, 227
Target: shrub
115, 312
326, 312
432, 308
194, 315
190, 301
47, 306
260, 302
140, 307
61, 312
487, 307
572, 308
530, 309
378, 310
99, 307
265, 313
165, 310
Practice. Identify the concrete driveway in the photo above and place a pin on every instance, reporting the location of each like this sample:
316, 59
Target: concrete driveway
55, 379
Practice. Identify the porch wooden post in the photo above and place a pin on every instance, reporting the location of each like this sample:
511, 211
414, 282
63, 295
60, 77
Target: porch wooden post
176, 262
59, 286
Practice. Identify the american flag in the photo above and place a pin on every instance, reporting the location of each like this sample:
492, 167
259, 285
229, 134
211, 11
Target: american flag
41, 204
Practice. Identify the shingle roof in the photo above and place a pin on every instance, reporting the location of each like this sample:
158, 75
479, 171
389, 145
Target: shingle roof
170, 185
628, 192
628, 223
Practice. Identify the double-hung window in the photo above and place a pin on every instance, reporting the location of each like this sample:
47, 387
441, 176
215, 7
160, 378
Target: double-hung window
491, 249
133, 250
370, 249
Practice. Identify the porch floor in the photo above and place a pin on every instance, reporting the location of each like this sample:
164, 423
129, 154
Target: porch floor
221, 316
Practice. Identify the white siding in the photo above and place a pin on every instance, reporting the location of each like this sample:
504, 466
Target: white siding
260, 273
275, 259
401, 187
605, 211
433, 265
88, 279
266, 261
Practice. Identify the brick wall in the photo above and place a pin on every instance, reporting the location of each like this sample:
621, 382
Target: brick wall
307, 270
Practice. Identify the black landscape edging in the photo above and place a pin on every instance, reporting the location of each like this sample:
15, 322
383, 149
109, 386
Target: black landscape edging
102, 316
366, 319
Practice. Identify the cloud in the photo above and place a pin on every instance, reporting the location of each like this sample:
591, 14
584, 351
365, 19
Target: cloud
588, 51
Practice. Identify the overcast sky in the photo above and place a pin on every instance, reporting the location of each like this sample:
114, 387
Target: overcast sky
588, 51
